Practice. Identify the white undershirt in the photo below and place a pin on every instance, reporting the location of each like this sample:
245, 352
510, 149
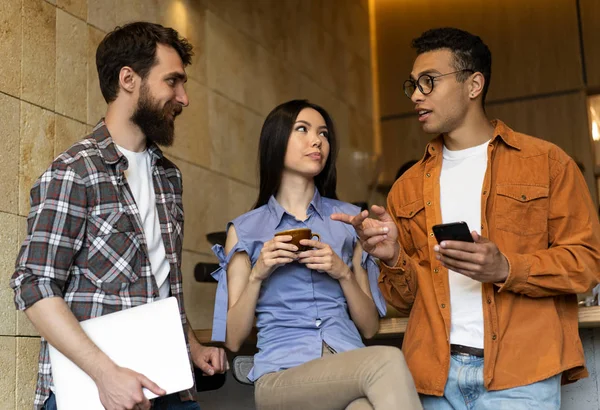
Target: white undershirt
461, 183
139, 178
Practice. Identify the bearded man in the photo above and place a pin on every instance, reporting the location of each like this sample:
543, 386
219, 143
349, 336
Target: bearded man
105, 230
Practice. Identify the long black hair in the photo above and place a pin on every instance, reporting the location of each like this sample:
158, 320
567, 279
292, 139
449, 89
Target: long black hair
273, 143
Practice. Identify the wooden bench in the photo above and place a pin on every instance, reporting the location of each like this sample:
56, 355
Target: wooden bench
396, 326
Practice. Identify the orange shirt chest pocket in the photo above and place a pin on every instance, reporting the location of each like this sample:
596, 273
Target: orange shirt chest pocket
522, 209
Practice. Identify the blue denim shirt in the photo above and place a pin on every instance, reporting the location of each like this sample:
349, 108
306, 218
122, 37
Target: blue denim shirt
298, 308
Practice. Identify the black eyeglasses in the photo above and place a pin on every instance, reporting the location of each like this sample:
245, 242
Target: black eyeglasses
425, 83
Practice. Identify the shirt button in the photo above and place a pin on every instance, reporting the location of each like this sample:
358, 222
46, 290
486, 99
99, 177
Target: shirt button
433, 148
484, 192
404, 262
523, 197
428, 203
428, 175
482, 227
431, 234
443, 305
318, 322
489, 301
493, 337
436, 270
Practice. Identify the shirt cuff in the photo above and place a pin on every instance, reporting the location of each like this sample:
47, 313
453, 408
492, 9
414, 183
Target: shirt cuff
399, 266
33, 288
518, 273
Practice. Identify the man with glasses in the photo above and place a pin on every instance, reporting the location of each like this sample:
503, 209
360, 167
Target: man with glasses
493, 322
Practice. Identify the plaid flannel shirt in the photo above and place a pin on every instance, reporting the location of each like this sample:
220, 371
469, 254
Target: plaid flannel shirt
85, 241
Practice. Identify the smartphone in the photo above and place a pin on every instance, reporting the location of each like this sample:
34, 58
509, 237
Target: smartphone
454, 231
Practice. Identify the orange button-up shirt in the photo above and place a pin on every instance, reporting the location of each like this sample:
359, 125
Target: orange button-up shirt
536, 207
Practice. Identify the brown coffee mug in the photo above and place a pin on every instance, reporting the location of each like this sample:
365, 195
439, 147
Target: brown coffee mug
299, 234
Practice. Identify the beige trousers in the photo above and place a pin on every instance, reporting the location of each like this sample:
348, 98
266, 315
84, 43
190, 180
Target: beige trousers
369, 378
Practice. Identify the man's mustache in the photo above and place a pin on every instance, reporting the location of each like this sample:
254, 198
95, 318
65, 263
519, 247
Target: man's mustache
175, 109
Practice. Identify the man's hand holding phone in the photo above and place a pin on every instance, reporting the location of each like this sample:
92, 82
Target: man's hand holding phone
480, 260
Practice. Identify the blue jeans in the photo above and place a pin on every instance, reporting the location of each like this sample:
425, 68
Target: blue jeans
464, 390
170, 402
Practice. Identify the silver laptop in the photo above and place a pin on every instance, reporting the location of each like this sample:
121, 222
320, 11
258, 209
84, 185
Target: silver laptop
148, 339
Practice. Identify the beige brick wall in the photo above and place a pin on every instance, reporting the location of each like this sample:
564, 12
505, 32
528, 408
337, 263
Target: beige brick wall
250, 56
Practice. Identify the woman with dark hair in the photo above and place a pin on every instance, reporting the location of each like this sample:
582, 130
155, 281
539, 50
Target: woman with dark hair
311, 306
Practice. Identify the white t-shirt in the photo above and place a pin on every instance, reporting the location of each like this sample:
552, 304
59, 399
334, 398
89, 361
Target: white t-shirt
461, 183
139, 178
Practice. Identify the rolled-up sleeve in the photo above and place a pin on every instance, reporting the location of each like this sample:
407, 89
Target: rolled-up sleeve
55, 233
219, 329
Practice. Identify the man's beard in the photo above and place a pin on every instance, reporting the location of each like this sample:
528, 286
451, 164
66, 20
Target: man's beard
157, 124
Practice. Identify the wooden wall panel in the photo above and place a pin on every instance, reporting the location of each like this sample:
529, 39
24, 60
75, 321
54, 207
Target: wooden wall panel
402, 140
590, 24
534, 43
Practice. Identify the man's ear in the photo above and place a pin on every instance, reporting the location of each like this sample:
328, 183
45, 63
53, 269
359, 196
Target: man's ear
127, 79
476, 84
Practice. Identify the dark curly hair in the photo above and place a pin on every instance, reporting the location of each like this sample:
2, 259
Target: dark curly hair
469, 51
134, 45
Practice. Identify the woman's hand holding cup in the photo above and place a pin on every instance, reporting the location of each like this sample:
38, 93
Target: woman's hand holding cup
274, 253
323, 258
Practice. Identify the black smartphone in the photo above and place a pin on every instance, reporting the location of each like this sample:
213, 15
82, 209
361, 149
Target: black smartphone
454, 231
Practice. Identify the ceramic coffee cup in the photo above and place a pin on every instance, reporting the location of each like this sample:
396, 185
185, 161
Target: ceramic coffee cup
299, 234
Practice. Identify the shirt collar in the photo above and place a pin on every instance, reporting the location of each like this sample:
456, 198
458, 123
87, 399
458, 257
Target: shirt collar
277, 210
506, 134
317, 203
501, 132
108, 149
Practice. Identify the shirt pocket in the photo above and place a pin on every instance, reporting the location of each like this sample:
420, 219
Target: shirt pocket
522, 209
413, 228
114, 254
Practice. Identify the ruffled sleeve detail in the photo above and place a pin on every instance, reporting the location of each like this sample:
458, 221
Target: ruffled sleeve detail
368, 263
219, 327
